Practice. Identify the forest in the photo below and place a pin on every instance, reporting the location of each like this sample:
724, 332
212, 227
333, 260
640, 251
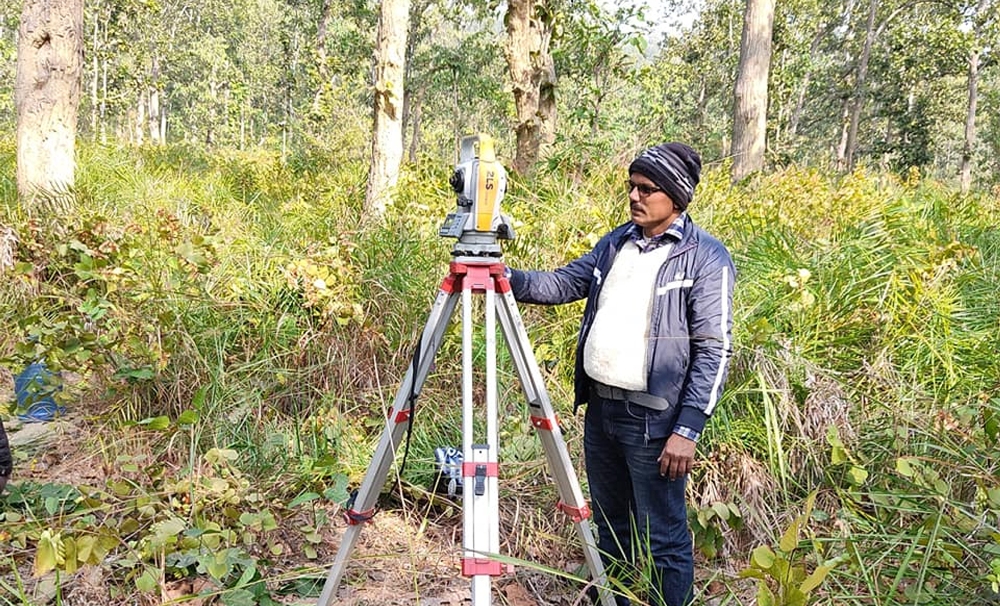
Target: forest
220, 240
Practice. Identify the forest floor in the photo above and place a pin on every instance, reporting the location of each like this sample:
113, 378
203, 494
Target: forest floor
400, 558
407, 555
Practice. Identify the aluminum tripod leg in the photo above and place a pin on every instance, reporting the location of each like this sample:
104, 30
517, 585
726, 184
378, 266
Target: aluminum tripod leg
546, 425
480, 469
396, 424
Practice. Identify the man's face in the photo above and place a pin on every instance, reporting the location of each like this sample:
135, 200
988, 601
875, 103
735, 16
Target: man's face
651, 207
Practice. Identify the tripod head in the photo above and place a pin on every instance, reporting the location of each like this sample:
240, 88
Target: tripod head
480, 183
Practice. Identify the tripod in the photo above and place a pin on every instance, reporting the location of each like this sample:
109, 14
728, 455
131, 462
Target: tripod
476, 273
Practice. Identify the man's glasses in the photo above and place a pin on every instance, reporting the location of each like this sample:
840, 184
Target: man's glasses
644, 190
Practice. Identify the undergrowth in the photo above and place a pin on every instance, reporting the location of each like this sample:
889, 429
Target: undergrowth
236, 335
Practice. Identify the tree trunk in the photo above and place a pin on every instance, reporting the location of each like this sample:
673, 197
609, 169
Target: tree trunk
416, 116
153, 117
47, 95
860, 85
411, 103
322, 54
533, 74
845, 121
387, 134
969, 148
750, 105
97, 45
103, 113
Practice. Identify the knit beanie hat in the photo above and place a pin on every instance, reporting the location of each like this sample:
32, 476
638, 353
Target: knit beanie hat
673, 167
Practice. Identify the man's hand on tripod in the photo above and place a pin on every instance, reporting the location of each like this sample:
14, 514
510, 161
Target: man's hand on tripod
677, 457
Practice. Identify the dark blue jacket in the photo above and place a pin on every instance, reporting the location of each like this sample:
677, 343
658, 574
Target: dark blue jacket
690, 324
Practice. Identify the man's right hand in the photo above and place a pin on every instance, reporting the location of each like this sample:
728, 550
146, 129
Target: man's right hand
3, 483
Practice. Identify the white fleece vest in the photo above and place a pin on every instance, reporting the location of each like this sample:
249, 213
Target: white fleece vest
618, 343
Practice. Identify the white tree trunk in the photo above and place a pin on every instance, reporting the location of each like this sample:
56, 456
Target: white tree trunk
47, 95
750, 104
969, 149
387, 134
153, 118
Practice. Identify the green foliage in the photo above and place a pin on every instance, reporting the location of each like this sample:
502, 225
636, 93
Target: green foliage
238, 334
708, 525
783, 574
209, 522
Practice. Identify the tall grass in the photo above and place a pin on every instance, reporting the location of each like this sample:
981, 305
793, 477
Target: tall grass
243, 287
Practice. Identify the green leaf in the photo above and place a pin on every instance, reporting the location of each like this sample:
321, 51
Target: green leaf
857, 475
815, 579
762, 557
220, 455
790, 540
904, 467
247, 576
85, 549
764, 595
147, 581
752, 573
198, 401
70, 561
303, 498
994, 496
734, 511
338, 493
721, 510
156, 423
188, 417
991, 426
838, 452
49, 554
218, 566
239, 597
167, 529
794, 597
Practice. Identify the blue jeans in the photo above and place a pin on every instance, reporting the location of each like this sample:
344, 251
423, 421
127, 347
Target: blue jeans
638, 513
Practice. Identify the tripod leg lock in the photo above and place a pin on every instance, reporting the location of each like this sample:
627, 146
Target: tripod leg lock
480, 480
472, 567
479, 471
544, 423
577, 514
354, 517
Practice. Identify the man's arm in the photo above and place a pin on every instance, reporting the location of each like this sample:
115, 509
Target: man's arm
710, 320
564, 285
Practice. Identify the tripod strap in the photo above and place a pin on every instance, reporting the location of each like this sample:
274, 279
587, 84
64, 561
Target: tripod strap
411, 400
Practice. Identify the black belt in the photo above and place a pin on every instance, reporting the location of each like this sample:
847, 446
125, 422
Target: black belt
610, 392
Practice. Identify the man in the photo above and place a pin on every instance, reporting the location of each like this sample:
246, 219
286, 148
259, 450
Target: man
651, 362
